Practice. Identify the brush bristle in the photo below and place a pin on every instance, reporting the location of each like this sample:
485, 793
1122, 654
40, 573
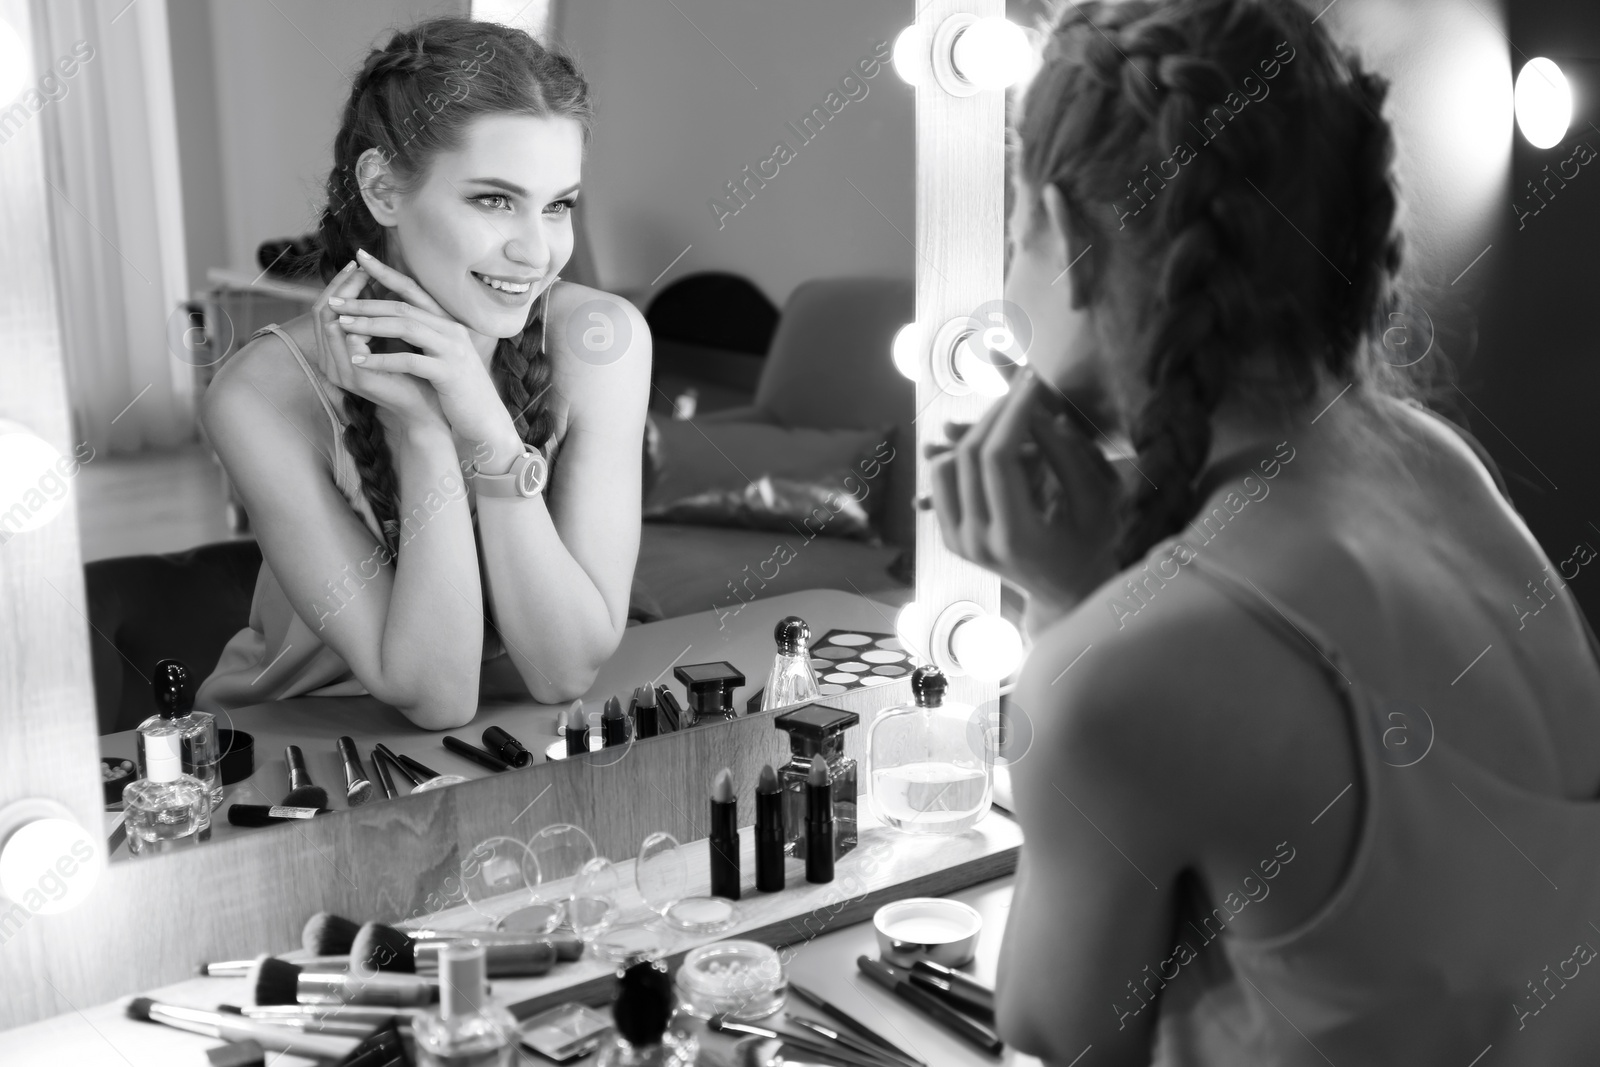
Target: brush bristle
380, 947
360, 794
275, 981
307, 796
139, 1008
327, 934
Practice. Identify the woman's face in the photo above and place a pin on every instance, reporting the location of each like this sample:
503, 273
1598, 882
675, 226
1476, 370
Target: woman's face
501, 208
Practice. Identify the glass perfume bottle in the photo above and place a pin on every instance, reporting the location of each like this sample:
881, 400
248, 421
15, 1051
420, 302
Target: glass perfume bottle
792, 680
710, 689
924, 775
165, 808
467, 1029
196, 730
817, 732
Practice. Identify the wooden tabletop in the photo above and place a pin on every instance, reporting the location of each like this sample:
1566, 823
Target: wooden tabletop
647, 653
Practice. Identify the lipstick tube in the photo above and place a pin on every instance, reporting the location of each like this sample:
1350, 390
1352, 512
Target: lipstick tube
577, 740
769, 841
506, 747
819, 824
475, 754
724, 848
643, 712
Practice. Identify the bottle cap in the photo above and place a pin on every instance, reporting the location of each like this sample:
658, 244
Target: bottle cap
710, 686
644, 1003
463, 975
163, 757
170, 684
927, 686
814, 727
792, 635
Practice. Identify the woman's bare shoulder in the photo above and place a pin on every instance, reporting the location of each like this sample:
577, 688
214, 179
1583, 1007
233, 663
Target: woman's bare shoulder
590, 329
263, 383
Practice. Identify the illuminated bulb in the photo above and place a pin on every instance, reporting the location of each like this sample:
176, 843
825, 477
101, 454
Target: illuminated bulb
911, 627
992, 53
16, 66
987, 647
1544, 103
910, 56
48, 864
907, 351
979, 374
32, 489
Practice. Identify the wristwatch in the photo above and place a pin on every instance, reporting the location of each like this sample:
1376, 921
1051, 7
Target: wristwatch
525, 478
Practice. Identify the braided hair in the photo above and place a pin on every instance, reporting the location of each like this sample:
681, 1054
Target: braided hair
1267, 121
413, 100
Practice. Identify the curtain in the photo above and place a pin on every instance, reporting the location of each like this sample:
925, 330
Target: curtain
116, 220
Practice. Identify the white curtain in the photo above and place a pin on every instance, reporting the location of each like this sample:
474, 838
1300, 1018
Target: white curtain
116, 220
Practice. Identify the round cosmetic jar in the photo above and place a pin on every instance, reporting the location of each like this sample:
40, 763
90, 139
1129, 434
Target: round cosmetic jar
740, 980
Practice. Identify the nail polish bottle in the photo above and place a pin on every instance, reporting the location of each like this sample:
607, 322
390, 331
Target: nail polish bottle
196, 732
816, 732
467, 1029
710, 687
792, 681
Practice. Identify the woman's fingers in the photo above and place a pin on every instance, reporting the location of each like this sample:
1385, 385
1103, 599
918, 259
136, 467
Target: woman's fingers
1077, 462
408, 329
946, 494
1005, 480
398, 283
414, 363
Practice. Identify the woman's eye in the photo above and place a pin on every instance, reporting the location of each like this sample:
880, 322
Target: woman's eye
561, 207
493, 196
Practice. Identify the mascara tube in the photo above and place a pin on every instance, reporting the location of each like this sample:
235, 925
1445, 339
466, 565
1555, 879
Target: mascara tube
506, 747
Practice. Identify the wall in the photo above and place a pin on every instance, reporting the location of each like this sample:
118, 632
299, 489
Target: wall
690, 93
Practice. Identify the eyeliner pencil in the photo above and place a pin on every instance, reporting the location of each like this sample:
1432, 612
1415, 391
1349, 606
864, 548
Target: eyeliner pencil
895, 981
840, 1015
475, 754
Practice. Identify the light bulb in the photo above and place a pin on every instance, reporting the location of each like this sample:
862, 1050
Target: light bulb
33, 489
1544, 103
979, 374
49, 865
911, 627
910, 55
907, 350
987, 647
992, 53
16, 66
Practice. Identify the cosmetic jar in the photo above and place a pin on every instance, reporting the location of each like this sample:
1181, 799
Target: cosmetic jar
238, 751
116, 772
740, 980
927, 928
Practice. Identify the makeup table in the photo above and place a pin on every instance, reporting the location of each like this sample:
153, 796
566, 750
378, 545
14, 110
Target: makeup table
647, 653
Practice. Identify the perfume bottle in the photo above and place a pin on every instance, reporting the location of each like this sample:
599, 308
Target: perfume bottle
710, 687
467, 1029
817, 732
165, 808
197, 731
643, 1011
791, 680
924, 773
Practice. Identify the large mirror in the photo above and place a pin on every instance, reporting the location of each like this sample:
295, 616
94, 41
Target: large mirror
727, 202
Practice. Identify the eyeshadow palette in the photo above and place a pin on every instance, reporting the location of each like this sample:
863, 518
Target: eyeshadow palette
855, 659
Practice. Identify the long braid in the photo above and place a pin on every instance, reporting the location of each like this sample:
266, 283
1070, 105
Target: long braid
474, 68
1122, 86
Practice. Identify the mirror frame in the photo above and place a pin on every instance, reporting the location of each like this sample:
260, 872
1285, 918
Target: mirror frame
253, 891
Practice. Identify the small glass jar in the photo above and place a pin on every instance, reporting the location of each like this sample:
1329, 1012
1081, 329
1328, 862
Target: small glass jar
740, 980
923, 775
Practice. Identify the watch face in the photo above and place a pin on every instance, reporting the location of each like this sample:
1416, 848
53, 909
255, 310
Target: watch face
531, 478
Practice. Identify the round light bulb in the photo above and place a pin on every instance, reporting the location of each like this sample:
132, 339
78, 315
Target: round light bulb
992, 53
1543, 102
49, 865
910, 55
911, 627
987, 647
979, 374
32, 489
16, 66
907, 350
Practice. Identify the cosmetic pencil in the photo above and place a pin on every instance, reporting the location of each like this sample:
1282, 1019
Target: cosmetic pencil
278, 981
866, 1033
613, 723
896, 981
814, 1045
357, 789
859, 1047
416, 767
769, 832
380, 770
577, 730
229, 1027
506, 747
955, 996
643, 711
475, 754
819, 823
269, 814
302, 793
962, 988
670, 712
723, 843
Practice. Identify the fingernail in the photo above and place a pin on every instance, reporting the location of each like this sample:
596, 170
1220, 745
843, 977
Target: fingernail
358, 359
348, 265
363, 252
347, 319
336, 301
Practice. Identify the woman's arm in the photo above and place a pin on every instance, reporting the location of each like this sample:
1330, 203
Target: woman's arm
559, 573
411, 630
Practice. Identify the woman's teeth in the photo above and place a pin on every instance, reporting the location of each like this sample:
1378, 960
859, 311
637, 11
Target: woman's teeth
514, 288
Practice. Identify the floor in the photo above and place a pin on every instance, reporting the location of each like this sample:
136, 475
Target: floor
150, 502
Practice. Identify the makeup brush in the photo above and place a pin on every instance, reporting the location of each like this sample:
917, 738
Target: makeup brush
644, 712
327, 934
302, 794
240, 968
418, 774
320, 1023
357, 790
380, 770
237, 1028
577, 730
388, 948
278, 981
613, 723
817, 1046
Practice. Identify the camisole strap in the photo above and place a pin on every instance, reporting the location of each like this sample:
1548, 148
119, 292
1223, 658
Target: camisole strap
316, 380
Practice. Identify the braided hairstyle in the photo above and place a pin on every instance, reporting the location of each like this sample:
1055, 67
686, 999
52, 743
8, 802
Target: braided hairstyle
413, 100
1128, 90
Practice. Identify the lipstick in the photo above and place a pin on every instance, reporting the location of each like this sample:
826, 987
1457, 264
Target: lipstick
506, 747
724, 842
577, 730
644, 712
819, 824
613, 723
769, 832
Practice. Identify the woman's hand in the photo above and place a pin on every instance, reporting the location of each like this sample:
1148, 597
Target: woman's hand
406, 401
1025, 494
446, 361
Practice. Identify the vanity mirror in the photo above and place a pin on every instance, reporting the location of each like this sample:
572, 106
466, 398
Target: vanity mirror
759, 184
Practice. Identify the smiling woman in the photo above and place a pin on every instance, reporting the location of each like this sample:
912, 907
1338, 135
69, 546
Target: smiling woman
367, 433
